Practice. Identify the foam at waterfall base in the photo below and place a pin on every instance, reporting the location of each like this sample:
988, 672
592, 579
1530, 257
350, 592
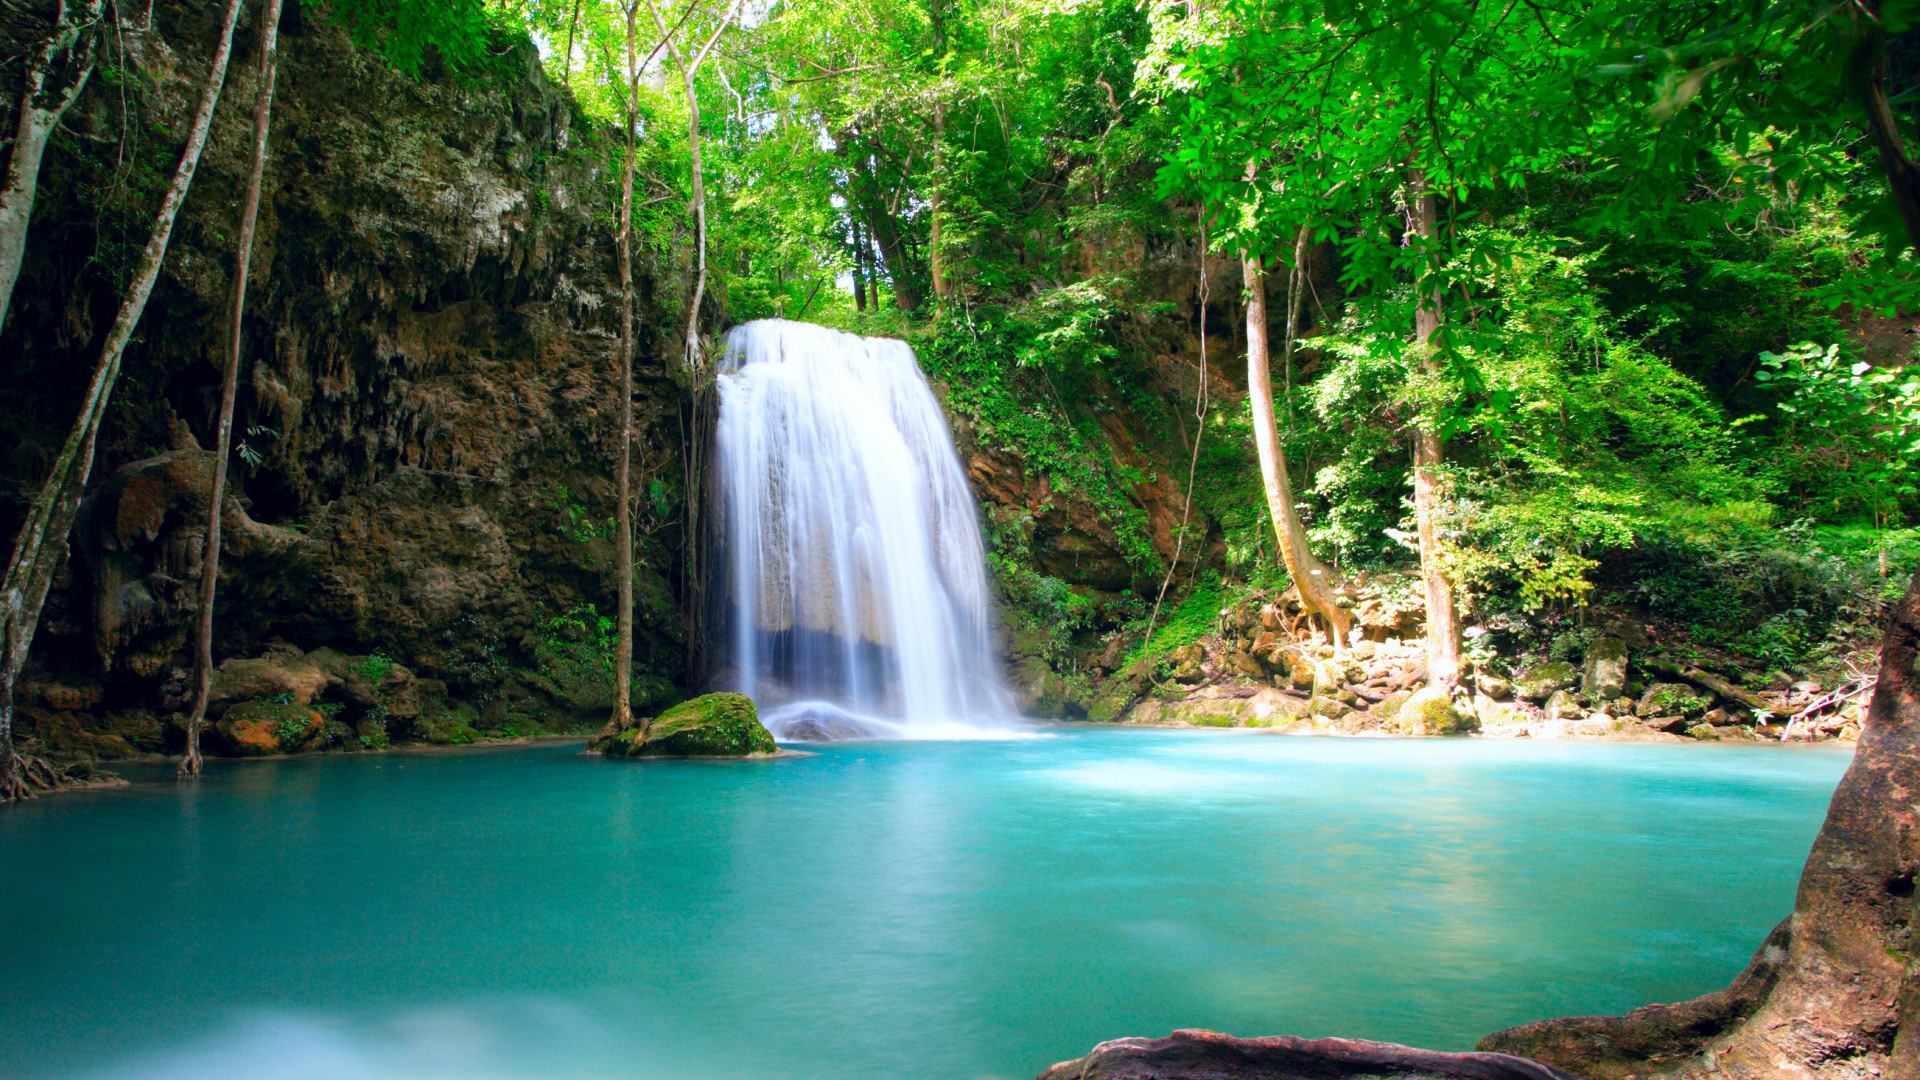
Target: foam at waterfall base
823, 721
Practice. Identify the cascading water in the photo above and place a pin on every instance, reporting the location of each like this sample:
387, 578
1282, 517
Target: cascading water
856, 577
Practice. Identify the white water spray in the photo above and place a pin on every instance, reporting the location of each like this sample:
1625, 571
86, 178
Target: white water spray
857, 588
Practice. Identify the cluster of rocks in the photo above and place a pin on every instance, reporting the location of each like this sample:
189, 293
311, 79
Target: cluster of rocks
1256, 670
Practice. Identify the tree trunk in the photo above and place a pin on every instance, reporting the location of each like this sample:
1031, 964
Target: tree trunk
936, 209
622, 717
229, 385
56, 70
43, 539
699, 202
906, 296
1430, 486
1833, 991
859, 261
1867, 73
1309, 576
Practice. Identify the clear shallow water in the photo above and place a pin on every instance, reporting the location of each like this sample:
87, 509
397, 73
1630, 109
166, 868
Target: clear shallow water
945, 911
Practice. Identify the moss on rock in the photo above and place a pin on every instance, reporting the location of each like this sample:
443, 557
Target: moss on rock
1432, 712
713, 725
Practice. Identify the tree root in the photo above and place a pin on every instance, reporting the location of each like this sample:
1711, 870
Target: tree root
24, 776
189, 765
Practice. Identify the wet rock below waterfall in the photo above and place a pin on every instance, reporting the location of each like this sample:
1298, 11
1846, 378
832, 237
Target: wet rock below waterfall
714, 725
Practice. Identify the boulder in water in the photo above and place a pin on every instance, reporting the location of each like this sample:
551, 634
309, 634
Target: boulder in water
714, 725
817, 721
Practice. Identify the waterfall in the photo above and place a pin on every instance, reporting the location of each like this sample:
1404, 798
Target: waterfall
856, 592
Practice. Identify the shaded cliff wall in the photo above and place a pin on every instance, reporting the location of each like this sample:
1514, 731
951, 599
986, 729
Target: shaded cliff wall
425, 403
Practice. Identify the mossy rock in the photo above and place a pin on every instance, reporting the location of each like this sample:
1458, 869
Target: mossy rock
1540, 681
1113, 699
253, 728
714, 725
1432, 712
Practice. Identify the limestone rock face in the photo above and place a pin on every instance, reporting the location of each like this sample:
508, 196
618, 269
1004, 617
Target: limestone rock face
425, 395
713, 725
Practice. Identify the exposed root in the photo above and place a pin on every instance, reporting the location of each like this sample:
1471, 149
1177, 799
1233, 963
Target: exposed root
189, 765
25, 776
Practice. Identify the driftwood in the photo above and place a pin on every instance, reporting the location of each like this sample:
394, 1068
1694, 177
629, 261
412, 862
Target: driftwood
1207, 1055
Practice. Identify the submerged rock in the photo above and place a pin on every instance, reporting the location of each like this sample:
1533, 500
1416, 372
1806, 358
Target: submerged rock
1207, 1055
713, 725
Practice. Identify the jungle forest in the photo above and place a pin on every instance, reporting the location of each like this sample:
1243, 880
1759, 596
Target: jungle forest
961, 539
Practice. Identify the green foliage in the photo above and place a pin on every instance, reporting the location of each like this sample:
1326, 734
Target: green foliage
291, 728
1018, 407
466, 37
1848, 441
1046, 612
376, 667
577, 523
1193, 619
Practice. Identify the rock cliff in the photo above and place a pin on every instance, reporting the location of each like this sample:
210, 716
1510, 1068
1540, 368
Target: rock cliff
426, 413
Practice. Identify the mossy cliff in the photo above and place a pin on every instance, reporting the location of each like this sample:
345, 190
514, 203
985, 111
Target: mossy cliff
426, 408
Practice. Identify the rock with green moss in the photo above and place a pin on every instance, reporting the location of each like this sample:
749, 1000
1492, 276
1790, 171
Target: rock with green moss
1538, 682
255, 727
713, 725
1432, 712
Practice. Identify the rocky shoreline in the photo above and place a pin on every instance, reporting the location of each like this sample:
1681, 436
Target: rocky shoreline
1620, 679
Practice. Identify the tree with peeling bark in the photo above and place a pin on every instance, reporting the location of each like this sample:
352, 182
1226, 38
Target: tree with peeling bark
1310, 576
42, 542
55, 70
264, 72
1430, 497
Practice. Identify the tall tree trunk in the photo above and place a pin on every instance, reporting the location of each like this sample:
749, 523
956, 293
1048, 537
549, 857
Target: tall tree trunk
56, 70
1430, 486
859, 261
229, 386
622, 717
936, 209
698, 199
1867, 75
699, 202
1309, 575
1833, 992
906, 296
43, 539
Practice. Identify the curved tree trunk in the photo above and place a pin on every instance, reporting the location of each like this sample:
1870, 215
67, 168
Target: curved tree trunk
1429, 457
55, 72
229, 385
1309, 575
1834, 992
43, 539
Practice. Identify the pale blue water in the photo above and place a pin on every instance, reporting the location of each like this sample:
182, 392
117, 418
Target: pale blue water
945, 911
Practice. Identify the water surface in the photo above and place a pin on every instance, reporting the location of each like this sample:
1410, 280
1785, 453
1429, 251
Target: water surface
945, 911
